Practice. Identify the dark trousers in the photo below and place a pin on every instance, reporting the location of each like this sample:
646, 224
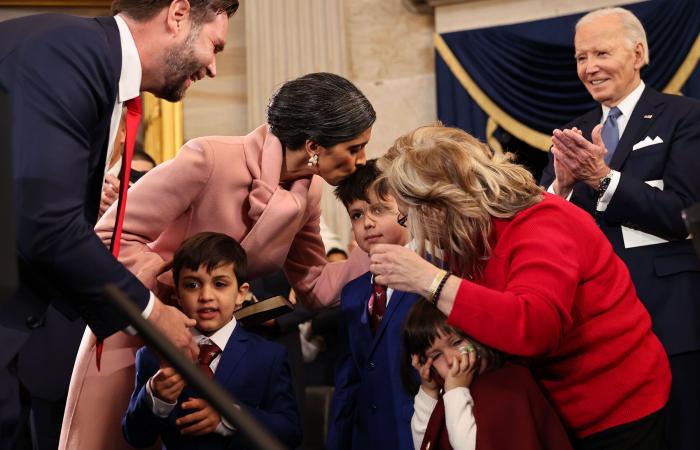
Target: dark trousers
646, 433
683, 409
27, 422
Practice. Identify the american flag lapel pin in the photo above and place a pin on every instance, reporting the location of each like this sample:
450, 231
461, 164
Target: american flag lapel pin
648, 116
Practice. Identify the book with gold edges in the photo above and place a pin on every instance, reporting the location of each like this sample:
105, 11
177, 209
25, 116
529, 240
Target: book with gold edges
263, 310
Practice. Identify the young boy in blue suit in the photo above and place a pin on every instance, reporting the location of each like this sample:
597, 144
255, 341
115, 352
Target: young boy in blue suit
210, 270
370, 410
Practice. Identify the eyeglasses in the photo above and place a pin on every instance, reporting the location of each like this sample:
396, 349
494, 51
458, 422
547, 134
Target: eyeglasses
374, 211
402, 219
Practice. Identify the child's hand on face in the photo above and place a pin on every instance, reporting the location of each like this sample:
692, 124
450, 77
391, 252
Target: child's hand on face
203, 420
428, 382
167, 384
462, 368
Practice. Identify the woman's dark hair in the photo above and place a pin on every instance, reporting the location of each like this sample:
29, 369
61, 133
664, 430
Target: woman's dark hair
424, 323
201, 11
211, 249
321, 107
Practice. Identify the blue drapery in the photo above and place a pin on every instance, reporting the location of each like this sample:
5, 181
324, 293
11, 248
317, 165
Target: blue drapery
523, 77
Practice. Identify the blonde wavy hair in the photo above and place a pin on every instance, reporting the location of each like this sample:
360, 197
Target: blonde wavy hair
453, 187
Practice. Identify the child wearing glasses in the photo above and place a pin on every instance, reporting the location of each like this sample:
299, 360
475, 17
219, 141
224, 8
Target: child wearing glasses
370, 409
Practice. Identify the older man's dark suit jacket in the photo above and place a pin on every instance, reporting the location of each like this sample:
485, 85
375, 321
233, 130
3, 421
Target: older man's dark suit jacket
667, 275
61, 74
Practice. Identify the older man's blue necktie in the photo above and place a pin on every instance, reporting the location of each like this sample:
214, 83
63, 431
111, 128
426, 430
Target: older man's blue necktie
611, 133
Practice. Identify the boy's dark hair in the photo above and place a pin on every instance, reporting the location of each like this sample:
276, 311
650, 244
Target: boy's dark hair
212, 250
358, 185
141, 155
201, 11
336, 250
424, 323
322, 107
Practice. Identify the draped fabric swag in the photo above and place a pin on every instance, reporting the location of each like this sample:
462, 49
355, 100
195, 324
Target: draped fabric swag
520, 80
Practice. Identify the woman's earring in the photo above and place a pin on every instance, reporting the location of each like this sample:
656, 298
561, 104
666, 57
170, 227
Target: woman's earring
313, 160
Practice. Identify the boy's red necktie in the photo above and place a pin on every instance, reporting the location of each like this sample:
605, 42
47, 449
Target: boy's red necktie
208, 351
378, 306
133, 118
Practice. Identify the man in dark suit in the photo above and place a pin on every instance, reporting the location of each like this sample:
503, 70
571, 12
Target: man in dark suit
634, 164
68, 79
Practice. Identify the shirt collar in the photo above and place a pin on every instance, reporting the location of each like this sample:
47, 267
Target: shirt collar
627, 105
130, 77
220, 337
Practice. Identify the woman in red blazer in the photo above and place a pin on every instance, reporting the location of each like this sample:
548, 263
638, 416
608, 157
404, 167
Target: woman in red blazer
263, 190
532, 276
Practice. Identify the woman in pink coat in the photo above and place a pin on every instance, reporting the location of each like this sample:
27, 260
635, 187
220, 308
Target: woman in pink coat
262, 189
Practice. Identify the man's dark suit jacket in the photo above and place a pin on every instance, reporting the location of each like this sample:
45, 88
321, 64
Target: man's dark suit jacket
252, 369
62, 75
370, 407
666, 275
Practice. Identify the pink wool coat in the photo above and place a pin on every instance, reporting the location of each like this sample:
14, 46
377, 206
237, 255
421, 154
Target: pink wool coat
225, 184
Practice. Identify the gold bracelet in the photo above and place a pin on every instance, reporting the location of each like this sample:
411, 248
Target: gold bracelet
436, 283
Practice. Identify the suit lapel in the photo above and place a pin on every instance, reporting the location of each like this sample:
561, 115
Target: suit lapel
643, 116
589, 121
394, 304
236, 348
361, 310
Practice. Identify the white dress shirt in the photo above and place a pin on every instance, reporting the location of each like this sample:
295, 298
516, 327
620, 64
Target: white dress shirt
163, 409
626, 106
129, 87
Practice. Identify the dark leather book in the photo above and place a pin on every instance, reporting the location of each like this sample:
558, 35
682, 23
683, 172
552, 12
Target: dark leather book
261, 311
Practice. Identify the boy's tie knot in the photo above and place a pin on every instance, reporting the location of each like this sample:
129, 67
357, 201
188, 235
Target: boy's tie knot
207, 352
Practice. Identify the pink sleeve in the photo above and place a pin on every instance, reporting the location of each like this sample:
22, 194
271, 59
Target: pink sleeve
316, 282
160, 198
538, 260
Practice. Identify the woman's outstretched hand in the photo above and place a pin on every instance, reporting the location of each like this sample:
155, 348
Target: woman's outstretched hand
401, 268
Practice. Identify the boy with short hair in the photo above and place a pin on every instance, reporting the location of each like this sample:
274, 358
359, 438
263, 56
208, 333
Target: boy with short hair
370, 410
210, 272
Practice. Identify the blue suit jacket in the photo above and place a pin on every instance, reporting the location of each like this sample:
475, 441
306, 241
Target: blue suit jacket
667, 276
252, 369
61, 74
370, 408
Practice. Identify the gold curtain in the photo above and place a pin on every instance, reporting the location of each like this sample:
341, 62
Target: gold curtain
163, 131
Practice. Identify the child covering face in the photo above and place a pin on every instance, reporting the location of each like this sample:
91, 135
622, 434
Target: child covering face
469, 397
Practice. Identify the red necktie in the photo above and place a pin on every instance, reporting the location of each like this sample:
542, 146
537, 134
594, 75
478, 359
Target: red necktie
133, 118
378, 306
208, 351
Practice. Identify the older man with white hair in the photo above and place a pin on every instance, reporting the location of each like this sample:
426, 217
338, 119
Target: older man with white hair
634, 164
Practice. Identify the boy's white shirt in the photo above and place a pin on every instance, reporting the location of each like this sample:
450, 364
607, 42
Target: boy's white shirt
459, 417
163, 409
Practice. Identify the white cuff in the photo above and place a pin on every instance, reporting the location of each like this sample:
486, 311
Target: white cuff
609, 192
159, 408
550, 189
146, 313
224, 428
